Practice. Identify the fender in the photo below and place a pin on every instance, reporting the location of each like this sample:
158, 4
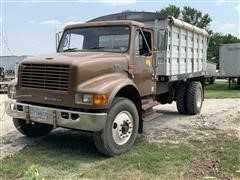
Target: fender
108, 84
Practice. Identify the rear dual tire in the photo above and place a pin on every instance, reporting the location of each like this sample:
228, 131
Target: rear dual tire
189, 98
181, 98
211, 80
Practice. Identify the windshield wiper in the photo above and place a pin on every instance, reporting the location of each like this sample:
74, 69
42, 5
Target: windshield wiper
97, 47
71, 50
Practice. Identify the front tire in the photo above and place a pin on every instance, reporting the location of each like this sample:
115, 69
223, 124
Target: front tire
194, 98
121, 128
31, 129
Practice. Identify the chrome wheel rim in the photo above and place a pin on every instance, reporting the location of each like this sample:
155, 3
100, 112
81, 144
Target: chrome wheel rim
199, 98
122, 127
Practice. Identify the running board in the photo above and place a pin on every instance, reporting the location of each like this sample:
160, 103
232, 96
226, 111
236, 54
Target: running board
147, 108
151, 115
147, 105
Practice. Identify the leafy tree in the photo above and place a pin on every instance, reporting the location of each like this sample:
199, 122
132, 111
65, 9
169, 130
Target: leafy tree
195, 17
171, 10
188, 14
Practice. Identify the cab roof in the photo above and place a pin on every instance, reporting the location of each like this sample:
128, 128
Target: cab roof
105, 23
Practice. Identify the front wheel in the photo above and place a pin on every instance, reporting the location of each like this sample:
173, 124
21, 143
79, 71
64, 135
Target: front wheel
31, 129
120, 130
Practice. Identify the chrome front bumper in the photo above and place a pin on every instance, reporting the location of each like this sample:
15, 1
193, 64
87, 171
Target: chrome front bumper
56, 117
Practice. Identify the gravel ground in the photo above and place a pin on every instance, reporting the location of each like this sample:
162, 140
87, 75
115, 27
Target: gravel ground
218, 116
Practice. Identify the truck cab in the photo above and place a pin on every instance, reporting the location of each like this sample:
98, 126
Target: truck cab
104, 78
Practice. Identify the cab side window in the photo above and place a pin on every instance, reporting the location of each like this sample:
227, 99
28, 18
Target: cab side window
143, 43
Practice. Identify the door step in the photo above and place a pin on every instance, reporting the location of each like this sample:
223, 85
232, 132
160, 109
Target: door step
148, 104
147, 108
150, 115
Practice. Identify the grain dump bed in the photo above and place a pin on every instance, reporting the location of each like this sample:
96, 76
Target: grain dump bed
180, 49
186, 51
229, 60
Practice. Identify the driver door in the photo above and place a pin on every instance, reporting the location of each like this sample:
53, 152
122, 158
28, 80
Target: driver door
143, 63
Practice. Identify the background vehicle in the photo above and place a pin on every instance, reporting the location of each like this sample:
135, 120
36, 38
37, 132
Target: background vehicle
107, 75
211, 72
2, 74
230, 61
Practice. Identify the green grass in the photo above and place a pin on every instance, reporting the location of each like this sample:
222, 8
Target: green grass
230, 158
220, 90
74, 156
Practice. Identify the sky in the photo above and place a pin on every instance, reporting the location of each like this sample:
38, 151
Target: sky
28, 27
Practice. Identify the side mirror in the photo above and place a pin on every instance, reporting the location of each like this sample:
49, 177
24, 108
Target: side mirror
57, 38
16, 68
162, 39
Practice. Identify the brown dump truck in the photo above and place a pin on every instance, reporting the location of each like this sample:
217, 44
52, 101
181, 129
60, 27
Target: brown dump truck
107, 75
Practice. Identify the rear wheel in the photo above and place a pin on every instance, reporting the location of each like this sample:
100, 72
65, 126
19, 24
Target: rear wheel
31, 129
181, 98
212, 80
120, 130
238, 81
194, 98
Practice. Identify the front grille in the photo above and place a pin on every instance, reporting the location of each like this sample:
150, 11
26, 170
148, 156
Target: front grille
44, 76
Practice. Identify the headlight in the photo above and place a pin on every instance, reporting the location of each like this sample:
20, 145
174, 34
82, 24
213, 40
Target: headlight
84, 99
11, 91
87, 98
91, 99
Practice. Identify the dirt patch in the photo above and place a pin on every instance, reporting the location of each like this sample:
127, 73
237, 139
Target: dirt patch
14, 142
205, 169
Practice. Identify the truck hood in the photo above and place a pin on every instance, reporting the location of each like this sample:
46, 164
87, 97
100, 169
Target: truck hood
84, 67
74, 58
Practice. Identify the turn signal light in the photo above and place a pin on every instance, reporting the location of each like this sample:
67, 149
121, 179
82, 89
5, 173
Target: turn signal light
130, 66
100, 99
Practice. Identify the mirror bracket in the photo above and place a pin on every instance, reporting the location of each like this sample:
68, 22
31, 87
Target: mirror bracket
57, 38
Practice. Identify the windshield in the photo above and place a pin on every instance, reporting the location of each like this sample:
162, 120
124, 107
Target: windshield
105, 38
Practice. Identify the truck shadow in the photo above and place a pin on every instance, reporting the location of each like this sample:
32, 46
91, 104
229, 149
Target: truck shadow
165, 118
71, 144
168, 115
168, 112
